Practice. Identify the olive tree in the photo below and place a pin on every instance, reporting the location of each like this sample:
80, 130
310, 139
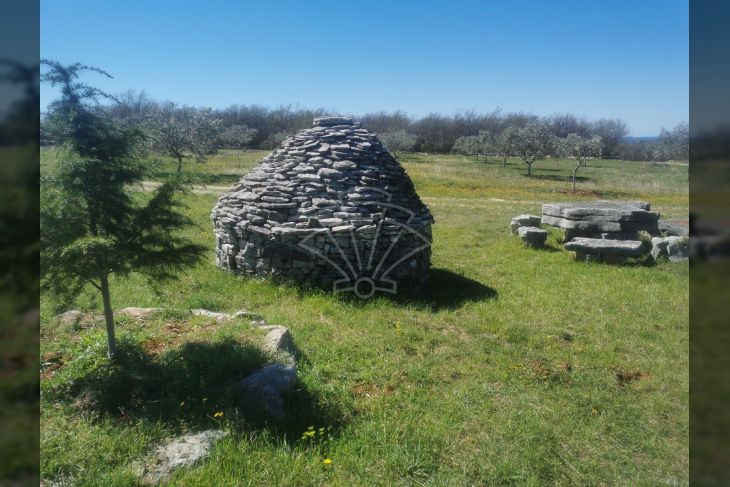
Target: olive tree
92, 225
581, 149
504, 143
475, 145
182, 131
399, 141
531, 143
237, 137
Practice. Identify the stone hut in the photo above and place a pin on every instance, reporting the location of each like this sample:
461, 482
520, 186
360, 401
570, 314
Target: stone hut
331, 207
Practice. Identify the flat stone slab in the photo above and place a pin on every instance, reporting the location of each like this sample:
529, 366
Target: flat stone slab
601, 216
183, 451
331, 121
599, 246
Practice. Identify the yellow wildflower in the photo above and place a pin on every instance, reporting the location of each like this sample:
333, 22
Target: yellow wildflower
327, 461
218, 415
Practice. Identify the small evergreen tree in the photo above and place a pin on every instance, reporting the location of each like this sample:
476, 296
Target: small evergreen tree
92, 225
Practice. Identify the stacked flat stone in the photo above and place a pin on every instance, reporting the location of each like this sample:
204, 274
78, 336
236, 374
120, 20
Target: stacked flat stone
618, 220
330, 197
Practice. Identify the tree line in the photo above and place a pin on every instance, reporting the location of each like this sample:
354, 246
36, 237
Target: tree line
183, 130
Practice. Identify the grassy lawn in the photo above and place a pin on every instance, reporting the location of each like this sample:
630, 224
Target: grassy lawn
520, 367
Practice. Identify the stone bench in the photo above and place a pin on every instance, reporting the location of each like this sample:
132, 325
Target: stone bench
533, 237
605, 250
523, 220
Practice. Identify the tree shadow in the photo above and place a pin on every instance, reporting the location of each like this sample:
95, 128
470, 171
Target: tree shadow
446, 290
185, 387
553, 177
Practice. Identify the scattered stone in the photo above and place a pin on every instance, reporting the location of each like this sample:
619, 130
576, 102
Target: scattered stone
338, 177
674, 248
266, 388
678, 249
606, 250
71, 317
180, 452
524, 220
533, 237
674, 228
602, 219
279, 343
139, 313
659, 247
219, 317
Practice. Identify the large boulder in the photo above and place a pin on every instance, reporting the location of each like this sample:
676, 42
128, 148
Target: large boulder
674, 248
266, 389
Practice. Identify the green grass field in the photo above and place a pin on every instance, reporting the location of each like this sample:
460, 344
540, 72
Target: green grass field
520, 367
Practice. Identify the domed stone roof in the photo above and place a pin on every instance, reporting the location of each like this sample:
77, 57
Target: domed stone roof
330, 207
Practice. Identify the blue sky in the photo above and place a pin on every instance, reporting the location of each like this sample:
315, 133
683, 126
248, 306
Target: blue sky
626, 59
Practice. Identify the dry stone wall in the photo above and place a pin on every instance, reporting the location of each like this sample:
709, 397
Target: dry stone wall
330, 207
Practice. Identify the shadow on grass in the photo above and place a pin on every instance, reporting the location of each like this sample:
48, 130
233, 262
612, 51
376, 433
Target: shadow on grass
553, 177
447, 290
185, 387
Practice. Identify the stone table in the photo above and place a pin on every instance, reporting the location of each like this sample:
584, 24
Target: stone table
621, 220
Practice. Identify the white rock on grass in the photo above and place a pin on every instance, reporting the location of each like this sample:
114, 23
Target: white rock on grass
675, 248
212, 314
279, 343
71, 317
139, 313
180, 452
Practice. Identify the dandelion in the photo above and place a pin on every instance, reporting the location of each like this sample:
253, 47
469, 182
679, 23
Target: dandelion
219, 414
327, 461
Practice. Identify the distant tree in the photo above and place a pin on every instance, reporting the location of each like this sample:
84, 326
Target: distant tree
182, 131
399, 141
531, 143
475, 145
578, 148
237, 137
504, 143
92, 226
612, 133
275, 140
674, 144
